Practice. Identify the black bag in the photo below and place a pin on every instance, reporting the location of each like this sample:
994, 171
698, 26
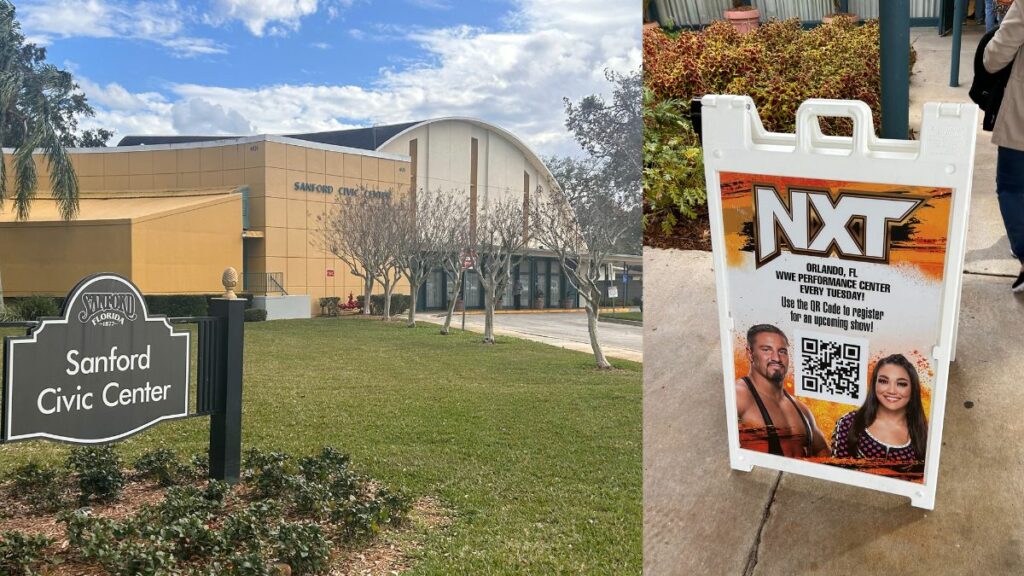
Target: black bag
987, 88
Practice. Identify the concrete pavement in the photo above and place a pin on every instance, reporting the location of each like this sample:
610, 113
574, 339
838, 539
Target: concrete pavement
562, 329
700, 517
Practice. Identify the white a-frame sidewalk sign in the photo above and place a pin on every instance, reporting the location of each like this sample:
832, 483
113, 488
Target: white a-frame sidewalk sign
838, 265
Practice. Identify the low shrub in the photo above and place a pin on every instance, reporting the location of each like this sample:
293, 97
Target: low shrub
673, 173
24, 555
41, 487
399, 304
269, 473
294, 511
35, 307
303, 547
98, 469
177, 305
10, 313
255, 315
779, 65
161, 466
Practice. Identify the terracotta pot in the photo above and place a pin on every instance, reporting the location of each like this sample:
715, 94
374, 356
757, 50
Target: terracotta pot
744, 19
828, 19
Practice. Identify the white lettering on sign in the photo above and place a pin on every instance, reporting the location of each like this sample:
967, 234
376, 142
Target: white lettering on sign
110, 363
63, 403
835, 219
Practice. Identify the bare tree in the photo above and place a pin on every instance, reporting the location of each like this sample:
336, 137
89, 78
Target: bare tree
350, 231
434, 228
583, 224
500, 239
450, 247
393, 222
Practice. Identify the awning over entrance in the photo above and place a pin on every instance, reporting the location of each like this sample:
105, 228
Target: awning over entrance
103, 207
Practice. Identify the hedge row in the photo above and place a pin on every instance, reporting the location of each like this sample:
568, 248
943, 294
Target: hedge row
779, 65
175, 305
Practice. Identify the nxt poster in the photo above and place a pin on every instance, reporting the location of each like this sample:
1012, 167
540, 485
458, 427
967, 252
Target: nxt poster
835, 292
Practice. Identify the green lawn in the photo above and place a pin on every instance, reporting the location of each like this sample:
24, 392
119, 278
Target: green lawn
536, 454
635, 316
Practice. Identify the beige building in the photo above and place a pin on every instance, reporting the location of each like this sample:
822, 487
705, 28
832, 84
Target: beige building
171, 212
172, 216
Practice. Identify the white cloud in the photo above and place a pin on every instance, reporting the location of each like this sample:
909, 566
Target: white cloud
283, 15
159, 22
515, 78
200, 116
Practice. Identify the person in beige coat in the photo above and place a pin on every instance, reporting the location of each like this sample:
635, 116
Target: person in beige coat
1005, 47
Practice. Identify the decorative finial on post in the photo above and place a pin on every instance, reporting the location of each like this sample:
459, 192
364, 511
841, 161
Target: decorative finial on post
229, 279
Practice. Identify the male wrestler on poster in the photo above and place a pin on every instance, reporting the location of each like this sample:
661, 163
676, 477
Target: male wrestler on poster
770, 419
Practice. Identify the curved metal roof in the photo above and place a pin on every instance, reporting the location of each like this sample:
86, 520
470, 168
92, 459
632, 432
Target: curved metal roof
530, 155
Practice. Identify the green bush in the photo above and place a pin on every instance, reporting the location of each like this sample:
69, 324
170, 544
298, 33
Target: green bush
35, 307
41, 487
10, 313
779, 65
303, 547
99, 472
673, 162
161, 466
399, 304
268, 472
22, 554
177, 305
255, 315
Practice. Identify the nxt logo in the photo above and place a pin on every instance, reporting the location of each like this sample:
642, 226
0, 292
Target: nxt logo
853, 226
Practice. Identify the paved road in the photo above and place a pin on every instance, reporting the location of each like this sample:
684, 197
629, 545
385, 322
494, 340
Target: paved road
563, 329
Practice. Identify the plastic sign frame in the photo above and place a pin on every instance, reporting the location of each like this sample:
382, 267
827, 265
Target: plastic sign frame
735, 141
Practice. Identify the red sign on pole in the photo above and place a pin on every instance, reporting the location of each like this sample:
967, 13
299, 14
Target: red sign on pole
468, 259
330, 273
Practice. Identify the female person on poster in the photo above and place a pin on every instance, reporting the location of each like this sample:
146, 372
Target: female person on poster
891, 424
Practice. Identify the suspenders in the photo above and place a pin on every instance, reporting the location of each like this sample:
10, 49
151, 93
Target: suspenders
774, 444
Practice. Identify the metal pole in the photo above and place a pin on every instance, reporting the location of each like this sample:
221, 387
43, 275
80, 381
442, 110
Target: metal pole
226, 421
463, 300
894, 45
958, 23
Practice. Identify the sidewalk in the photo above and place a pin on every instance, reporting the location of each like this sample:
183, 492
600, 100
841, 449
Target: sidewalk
700, 517
563, 329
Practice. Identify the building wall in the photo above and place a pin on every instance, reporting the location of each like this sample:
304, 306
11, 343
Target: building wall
186, 253
443, 160
167, 261
50, 258
289, 218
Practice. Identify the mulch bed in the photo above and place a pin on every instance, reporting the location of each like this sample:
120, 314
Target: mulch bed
685, 235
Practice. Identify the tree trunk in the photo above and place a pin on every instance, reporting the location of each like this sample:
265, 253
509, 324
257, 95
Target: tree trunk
592, 314
489, 314
367, 291
388, 287
452, 301
414, 291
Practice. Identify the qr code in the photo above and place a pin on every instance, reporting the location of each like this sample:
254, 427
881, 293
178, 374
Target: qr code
831, 367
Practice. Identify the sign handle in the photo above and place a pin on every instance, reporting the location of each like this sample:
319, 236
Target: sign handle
807, 127
226, 420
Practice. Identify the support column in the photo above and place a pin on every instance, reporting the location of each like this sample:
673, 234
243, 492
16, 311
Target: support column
958, 25
226, 421
894, 32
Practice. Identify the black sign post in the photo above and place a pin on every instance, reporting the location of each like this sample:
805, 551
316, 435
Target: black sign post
226, 422
107, 369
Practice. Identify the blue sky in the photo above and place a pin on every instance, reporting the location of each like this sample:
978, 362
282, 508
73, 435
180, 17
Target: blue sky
278, 66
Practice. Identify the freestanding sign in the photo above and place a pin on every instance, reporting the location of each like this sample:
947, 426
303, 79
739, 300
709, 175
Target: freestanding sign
838, 267
102, 371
